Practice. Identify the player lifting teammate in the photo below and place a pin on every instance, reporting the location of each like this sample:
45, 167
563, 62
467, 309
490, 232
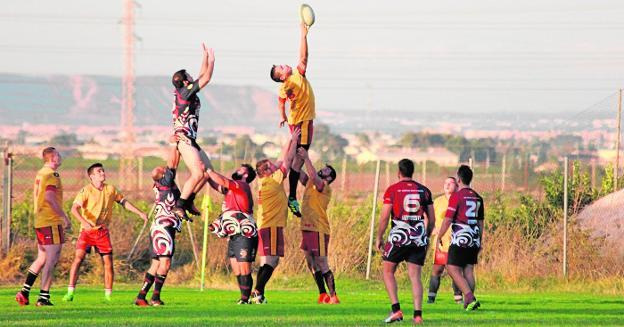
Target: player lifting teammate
93, 207
185, 124
465, 215
441, 243
272, 214
162, 230
296, 89
315, 225
50, 223
237, 222
407, 202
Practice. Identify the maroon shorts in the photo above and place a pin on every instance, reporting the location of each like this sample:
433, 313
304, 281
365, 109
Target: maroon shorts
271, 241
96, 238
315, 242
440, 257
50, 235
307, 131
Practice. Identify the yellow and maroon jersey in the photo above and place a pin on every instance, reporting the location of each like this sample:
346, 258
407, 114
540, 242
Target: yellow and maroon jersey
298, 90
47, 180
440, 204
272, 201
314, 209
97, 206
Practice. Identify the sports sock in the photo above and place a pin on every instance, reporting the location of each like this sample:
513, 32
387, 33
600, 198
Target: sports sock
396, 307
147, 284
71, 289
417, 313
434, 285
108, 292
30, 280
181, 203
320, 282
457, 292
245, 282
329, 280
293, 180
191, 200
264, 274
44, 295
158, 284
468, 298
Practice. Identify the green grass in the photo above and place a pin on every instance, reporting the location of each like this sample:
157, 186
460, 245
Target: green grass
186, 306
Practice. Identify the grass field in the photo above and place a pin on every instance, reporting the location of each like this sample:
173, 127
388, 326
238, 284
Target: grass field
186, 306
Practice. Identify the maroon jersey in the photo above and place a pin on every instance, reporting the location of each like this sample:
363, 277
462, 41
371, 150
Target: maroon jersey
465, 209
238, 197
409, 201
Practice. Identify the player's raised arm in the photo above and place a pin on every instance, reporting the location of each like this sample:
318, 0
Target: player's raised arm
383, 224
218, 179
303, 50
130, 207
318, 182
207, 66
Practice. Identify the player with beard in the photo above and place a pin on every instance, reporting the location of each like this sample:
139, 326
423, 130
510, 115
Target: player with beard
441, 242
185, 124
465, 216
162, 230
237, 222
315, 225
296, 89
407, 202
272, 214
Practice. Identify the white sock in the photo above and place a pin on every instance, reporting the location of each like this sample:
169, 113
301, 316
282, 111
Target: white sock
70, 289
108, 292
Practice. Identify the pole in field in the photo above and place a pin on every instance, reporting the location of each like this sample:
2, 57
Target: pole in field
343, 177
204, 210
193, 245
503, 172
372, 224
149, 216
565, 217
616, 167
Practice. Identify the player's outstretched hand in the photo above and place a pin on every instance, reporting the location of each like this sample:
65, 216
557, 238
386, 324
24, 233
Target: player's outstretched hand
208, 52
295, 135
283, 122
303, 153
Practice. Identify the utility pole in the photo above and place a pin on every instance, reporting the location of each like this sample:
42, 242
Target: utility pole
127, 97
616, 168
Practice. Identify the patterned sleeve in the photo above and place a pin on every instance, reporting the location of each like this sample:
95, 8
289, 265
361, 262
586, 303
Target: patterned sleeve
428, 197
190, 90
119, 197
481, 213
388, 196
50, 183
169, 177
451, 211
81, 198
282, 92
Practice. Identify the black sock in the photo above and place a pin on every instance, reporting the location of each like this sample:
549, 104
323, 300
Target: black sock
264, 274
320, 282
293, 180
245, 282
31, 277
329, 280
44, 295
191, 200
396, 307
434, 285
181, 203
417, 313
147, 284
158, 284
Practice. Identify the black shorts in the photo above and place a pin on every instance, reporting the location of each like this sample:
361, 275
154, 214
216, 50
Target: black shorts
242, 248
411, 253
162, 239
461, 257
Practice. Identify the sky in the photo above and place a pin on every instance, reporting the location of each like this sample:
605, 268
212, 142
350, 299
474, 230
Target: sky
498, 56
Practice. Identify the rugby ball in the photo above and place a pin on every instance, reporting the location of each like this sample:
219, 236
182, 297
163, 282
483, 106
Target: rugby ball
307, 14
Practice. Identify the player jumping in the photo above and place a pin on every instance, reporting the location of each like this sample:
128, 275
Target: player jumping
440, 204
237, 220
315, 225
465, 215
93, 207
185, 124
296, 89
162, 230
50, 223
272, 214
407, 202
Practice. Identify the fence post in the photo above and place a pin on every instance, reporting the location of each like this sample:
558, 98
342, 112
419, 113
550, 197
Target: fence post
372, 224
7, 202
565, 217
343, 177
140, 174
503, 172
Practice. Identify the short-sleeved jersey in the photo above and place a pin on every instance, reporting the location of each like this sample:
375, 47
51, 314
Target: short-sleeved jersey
298, 90
409, 200
465, 209
272, 201
440, 204
186, 111
166, 194
96, 206
47, 180
238, 197
314, 209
